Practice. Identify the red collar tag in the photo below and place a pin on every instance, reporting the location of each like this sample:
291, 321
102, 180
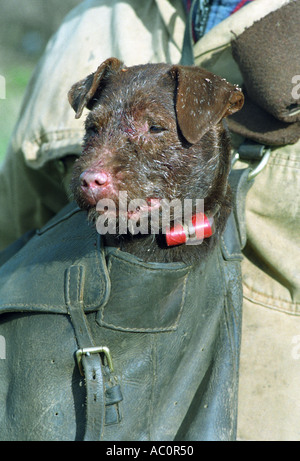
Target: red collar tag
200, 227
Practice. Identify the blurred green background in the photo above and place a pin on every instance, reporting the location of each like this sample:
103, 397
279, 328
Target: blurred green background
25, 28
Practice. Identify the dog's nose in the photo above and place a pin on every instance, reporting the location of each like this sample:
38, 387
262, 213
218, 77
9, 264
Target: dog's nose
92, 184
93, 180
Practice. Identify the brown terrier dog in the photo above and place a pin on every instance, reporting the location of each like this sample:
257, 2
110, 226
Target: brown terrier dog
156, 132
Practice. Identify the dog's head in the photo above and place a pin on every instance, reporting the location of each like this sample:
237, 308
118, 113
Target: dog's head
154, 131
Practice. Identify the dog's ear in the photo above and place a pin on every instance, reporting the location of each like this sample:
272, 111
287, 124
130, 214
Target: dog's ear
82, 93
202, 100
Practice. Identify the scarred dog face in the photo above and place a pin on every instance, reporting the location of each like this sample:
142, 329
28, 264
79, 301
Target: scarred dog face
154, 133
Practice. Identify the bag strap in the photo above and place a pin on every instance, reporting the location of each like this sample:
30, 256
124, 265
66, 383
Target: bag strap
103, 393
241, 180
90, 362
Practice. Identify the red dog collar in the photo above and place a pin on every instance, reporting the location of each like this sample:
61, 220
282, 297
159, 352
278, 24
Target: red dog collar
199, 228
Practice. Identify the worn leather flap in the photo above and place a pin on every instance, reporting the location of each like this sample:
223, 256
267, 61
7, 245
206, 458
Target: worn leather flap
34, 280
144, 296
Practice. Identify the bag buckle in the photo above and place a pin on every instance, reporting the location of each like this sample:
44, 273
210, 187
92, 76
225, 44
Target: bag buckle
252, 151
260, 166
93, 350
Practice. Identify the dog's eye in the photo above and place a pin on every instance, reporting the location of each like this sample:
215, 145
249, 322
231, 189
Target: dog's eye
92, 129
156, 129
